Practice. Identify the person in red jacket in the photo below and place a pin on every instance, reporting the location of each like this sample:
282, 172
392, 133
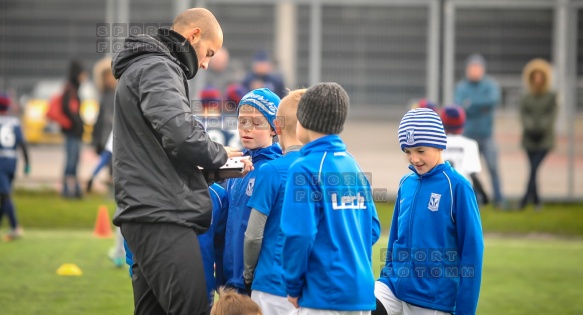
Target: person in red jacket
73, 135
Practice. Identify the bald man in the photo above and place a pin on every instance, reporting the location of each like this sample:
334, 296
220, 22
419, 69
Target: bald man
158, 147
262, 245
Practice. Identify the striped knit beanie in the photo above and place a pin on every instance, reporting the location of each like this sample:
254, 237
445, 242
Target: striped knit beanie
421, 127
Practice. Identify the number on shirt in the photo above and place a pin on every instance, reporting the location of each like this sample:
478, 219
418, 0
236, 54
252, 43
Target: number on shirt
7, 136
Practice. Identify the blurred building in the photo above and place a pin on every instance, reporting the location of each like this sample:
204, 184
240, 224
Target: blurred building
380, 51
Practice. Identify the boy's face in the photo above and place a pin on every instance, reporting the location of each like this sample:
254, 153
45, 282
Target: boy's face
254, 129
302, 133
424, 159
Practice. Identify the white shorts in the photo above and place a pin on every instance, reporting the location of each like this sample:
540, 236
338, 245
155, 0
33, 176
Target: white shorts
273, 304
394, 306
311, 311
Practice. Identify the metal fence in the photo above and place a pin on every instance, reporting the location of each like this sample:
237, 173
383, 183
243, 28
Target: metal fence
385, 53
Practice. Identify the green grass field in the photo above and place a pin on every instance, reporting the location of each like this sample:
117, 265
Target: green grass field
522, 274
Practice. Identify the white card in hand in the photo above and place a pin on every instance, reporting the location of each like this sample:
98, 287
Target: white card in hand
235, 163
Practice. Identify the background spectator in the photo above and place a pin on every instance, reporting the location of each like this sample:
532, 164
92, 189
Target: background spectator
538, 113
73, 136
262, 75
479, 95
11, 138
224, 71
105, 83
462, 152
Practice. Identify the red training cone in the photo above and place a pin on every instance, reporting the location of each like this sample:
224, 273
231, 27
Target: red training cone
102, 224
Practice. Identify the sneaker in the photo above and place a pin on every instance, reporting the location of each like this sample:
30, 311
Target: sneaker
13, 235
503, 206
117, 261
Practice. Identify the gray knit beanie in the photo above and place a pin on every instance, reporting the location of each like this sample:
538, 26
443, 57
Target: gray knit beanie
323, 108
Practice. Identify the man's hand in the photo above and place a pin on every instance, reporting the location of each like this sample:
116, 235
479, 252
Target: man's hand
248, 166
233, 152
293, 301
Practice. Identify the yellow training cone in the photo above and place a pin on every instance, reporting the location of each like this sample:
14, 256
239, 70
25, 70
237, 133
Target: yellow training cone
69, 270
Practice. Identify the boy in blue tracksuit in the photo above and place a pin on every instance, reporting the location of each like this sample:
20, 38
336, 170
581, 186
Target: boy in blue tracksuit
256, 115
11, 139
435, 250
211, 243
329, 219
263, 238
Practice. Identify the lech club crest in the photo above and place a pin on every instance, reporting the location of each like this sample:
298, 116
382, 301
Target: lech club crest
434, 202
410, 136
250, 185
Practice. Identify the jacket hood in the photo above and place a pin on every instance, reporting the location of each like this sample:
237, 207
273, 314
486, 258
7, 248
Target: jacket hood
534, 65
167, 43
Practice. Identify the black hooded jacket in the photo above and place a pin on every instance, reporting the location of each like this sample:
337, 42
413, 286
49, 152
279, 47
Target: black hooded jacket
158, 144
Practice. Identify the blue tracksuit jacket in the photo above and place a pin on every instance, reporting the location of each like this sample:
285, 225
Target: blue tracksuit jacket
239, 191
330, 224
267, 198
435, 250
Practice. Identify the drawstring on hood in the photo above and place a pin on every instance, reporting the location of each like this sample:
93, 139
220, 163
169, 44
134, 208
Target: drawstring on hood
166, 43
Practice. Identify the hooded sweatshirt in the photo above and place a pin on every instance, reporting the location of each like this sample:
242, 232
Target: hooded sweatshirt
158, 145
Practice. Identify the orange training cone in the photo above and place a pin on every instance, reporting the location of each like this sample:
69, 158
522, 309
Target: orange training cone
102, 224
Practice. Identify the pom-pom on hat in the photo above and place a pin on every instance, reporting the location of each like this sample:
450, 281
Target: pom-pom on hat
4, 102
425, 103
210, 94
421, 127
235, 92
324, 108
453, 118
265, 101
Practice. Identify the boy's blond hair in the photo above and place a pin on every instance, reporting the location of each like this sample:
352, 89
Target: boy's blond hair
232, 303
287, 112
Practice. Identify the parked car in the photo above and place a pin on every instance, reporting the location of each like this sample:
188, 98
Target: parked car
38, 129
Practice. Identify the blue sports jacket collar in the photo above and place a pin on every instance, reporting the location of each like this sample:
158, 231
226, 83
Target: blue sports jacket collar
436, 170
271, 152
326, 143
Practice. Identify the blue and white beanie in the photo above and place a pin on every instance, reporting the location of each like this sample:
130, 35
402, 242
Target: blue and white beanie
422, 127
265, 101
